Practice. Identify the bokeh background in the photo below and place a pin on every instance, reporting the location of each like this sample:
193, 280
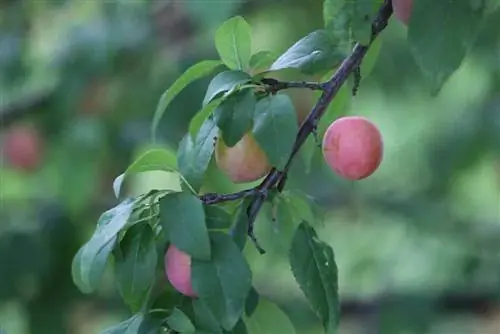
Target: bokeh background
417, 244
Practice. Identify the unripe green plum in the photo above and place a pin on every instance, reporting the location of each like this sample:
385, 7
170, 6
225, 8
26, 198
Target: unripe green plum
22, 147
243, 162
402, 10
178, 270
353, 147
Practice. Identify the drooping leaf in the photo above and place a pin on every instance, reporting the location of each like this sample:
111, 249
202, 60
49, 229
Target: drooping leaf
194, 155
233, 41
217, 218
180, 322
183, 218
314, 268
135, 269
234, 116
224, 281
195, 72
152, 160
90, 261
261, 61
223, 82
440, 33
268, 318
315, 53
275, 128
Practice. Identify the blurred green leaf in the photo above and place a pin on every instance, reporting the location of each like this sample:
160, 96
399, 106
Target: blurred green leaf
194, 155
201, 116
90, 261
205, 318
307, 152
251, 302
234, 116
195, 72
217, 218
183, 219
275, 128
440, 33
136, 265
223, 82
239, 231
315, 53
371, 58
314, 268
268, 318
239, 328
261, 61
233, 41
154, 159
224, 281
129, 326
337, 108
180, 322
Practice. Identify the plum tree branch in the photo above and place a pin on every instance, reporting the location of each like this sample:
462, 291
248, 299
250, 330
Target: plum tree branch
277, 178
273, 85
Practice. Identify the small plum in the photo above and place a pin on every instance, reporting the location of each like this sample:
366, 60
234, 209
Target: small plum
402, 10
243, 162
353, 147
22, 147
178, 270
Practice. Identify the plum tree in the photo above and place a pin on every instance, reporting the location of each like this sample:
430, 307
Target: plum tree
353, 147
243, 162
22, 147
178, 270
402, 10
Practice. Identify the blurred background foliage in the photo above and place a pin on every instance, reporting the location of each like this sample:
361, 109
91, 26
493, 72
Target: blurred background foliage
417, 244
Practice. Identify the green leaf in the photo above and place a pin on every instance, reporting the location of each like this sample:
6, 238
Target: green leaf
223, 82
314, 268
300, 204
205, 318
440, 33
217, 218
135, 268
129, 326
224, 282
239, 328
285, 223
194, 156
307, 152
337, 108
275, 128
201, 117
90, 261
317, 52
234, 116
180, 322
261, 61
195, 72
152, 160
239, 231
252, 302
269, 318
183, 218
371, 58
233, 41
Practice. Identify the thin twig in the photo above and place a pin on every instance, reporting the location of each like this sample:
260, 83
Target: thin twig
330, 89
273, 85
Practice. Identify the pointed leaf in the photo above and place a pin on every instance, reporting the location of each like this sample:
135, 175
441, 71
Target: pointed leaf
269, 318
205, 318
252, 302
314, 268
183, 218
234, 116
233, 41
261, 61
275, 128
180, 322
223, 82
135, 269
224, 282
193, 73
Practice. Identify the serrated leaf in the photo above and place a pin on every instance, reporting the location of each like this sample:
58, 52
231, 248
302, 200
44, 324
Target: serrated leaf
180, 322
314, 268
224, 282
316, 52
275, 128
183, 219
152, 160
223, 82
440, 33
194, 155
268, 318
135, 268
217, 218
195, 72
234, 116
261, 61
90, 261
233, 41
